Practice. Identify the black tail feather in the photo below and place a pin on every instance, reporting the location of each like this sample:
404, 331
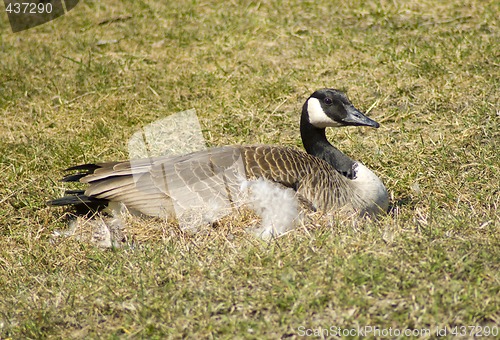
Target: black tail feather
86, 169
76, 199
79, 202
90, 167
74, 177
74, 192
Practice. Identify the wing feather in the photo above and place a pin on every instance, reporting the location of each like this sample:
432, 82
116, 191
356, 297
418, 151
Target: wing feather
157, 186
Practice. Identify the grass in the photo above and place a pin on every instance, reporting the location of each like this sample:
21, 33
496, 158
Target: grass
430, 72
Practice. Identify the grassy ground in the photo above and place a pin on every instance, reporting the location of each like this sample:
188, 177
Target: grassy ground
74, 90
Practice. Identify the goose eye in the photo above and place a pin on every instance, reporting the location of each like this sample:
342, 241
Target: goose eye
328, 101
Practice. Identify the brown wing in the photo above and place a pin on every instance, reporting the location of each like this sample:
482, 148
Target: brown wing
164, 185
314, 179
159, 186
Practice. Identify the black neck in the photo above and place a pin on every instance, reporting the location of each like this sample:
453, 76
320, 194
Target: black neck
316, 144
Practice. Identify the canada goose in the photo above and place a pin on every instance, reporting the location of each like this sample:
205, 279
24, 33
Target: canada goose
323, 178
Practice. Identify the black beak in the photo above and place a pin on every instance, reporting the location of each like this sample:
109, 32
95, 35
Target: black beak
357, 118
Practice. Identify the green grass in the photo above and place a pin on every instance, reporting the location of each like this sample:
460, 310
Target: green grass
430, 70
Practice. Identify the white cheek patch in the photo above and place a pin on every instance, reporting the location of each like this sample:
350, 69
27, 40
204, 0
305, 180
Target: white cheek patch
317, 115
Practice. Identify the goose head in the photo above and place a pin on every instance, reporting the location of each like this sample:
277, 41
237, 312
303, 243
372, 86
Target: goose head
331, 108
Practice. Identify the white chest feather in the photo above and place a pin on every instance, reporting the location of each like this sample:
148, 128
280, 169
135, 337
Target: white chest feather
370, 189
